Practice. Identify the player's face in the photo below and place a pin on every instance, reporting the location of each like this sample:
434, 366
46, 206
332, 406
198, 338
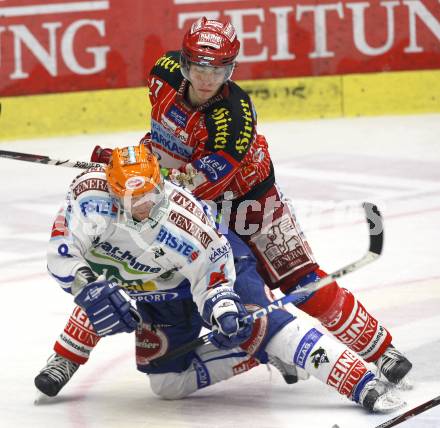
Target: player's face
205, 82
140, 206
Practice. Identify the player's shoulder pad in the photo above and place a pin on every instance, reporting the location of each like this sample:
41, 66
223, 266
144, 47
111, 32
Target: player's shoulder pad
231, 123
89, 194
167, 69
92, 180
185, 202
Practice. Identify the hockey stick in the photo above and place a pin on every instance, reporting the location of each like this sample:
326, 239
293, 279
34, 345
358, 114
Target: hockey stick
374, 219
410, 413
47, 160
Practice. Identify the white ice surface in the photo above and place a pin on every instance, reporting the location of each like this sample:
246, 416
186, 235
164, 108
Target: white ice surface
328, 168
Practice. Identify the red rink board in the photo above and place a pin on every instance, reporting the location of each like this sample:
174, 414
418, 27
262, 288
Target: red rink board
62, 46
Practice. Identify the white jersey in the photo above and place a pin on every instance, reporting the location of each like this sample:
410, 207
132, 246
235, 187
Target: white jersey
176, 253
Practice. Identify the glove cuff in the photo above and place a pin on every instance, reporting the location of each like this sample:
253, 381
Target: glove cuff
83, 276
216, 298
222, 307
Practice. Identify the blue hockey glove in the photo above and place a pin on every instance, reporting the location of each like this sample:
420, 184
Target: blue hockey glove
223, 312
108, 308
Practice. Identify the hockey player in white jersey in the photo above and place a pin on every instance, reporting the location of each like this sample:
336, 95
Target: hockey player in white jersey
124, 232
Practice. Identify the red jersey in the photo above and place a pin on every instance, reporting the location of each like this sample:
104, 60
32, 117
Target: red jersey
216, 141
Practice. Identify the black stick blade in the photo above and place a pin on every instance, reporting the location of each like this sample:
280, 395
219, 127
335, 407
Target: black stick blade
375, 225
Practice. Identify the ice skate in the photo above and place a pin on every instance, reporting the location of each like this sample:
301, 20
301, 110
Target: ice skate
55, 375
394, 367
376, 396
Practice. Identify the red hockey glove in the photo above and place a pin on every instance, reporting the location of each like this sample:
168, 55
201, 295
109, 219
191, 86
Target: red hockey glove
101, 155
146, 139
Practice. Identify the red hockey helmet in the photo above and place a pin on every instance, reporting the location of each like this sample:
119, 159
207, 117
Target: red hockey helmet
210, 43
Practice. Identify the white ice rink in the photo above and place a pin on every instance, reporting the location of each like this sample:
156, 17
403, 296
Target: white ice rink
328, 168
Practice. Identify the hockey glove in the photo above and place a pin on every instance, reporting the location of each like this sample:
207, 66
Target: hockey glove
101, 155
108, 308
146, 140
223, 312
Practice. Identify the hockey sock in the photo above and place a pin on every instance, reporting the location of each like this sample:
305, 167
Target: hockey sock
347, 319
78, 338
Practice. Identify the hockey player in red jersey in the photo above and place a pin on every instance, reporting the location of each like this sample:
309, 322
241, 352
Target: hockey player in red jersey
204, 133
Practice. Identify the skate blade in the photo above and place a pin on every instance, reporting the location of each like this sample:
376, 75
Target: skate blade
405, 384
388, 403
41, 398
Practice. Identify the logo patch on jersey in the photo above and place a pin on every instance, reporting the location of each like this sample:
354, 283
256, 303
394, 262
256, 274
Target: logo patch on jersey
222, 118
90, 184
169, 141
171, 126
305, 347
103, 206
219, 252
176, 115
177, 244
59, 227
215, 167
115, 274
63, 251
169, 274
168, 63
157, 297
123, 257
189, 205
145, 286
158, 252
246, 132
217, 278
148, 292
191, 228
319, 357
